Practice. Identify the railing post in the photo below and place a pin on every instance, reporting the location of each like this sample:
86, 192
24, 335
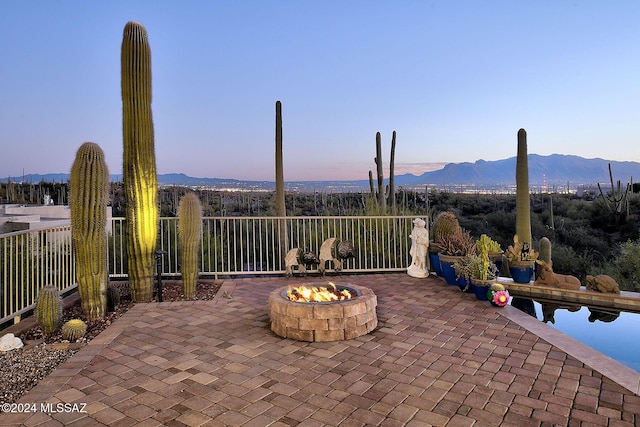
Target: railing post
159, 255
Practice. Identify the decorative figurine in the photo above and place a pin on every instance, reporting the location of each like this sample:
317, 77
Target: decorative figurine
419, 245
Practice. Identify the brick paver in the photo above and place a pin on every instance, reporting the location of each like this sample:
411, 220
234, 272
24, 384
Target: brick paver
437, 357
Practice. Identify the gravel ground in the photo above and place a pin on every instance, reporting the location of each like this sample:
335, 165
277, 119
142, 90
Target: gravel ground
22, 369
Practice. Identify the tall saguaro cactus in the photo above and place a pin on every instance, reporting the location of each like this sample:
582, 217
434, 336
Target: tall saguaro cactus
280, 205
281, 210
190, 232
88, 199
383, 195
523, 207
139, 166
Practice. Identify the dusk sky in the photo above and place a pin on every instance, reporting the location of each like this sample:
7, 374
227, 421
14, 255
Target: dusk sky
454, 79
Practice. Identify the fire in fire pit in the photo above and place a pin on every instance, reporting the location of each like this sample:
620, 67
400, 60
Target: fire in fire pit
318, 294
349, 312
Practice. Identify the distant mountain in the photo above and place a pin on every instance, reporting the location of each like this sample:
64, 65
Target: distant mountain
556, 169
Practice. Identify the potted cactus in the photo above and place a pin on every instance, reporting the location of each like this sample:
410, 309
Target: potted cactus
453, 248
445, 224
522, 258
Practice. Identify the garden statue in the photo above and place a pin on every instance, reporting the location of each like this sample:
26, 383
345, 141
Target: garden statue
547, 277
302, 260
602, 283
419, 245
334, 250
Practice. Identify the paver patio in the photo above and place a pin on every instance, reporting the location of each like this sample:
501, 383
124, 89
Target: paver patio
438, 357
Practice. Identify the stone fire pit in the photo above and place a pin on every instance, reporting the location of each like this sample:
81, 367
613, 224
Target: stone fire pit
323, 321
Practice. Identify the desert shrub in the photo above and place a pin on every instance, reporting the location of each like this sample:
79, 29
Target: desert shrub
624, 267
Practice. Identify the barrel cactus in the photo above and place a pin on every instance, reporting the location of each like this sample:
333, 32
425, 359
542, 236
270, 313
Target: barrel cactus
445, 224
88, 199
49, 309
139, 165
190, 232
73, 330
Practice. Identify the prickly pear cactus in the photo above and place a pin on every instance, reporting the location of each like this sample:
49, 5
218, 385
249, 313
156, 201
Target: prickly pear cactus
49, 309
190, 232
73, 330
88, 199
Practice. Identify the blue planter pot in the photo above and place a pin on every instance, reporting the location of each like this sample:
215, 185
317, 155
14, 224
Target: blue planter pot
446, 264
521, 273
434, 260
463, 284
480, 291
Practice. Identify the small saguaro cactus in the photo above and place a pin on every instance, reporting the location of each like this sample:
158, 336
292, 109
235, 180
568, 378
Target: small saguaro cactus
49, 309
139, 165
523, 207
190, 232
545, 250
88, 199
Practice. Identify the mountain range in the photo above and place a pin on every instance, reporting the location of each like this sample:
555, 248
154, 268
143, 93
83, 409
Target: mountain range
552, 170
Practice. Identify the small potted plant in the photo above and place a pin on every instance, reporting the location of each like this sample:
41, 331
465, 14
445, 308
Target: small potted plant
522, 258
453, 248
444, 224
492, 248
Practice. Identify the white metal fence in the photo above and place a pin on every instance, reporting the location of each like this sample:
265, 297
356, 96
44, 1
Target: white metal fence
231, 246
252, 245
29, 261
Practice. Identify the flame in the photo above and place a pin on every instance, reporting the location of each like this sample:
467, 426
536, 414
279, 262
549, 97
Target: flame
317, 294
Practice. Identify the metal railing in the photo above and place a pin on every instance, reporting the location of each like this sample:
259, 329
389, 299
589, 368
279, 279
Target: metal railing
29, 261
253, 245
231, 246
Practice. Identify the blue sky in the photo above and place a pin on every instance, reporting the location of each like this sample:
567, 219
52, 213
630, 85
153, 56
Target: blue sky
455, 79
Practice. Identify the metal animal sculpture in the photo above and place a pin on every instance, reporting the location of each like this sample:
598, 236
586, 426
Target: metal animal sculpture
336, 251
302, 260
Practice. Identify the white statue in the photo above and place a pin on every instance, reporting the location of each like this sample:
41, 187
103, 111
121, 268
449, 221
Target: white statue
419, 245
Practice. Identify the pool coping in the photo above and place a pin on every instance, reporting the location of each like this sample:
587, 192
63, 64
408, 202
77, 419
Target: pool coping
611, 368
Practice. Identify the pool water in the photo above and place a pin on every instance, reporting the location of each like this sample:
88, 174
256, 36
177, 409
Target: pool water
616, 335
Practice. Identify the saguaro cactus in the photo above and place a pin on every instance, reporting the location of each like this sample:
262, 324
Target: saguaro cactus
281, 210
383, 195
280, 205
88, 199
190, 232
139, 166
523, 207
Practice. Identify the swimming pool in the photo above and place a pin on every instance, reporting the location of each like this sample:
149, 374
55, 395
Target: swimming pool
616, 335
